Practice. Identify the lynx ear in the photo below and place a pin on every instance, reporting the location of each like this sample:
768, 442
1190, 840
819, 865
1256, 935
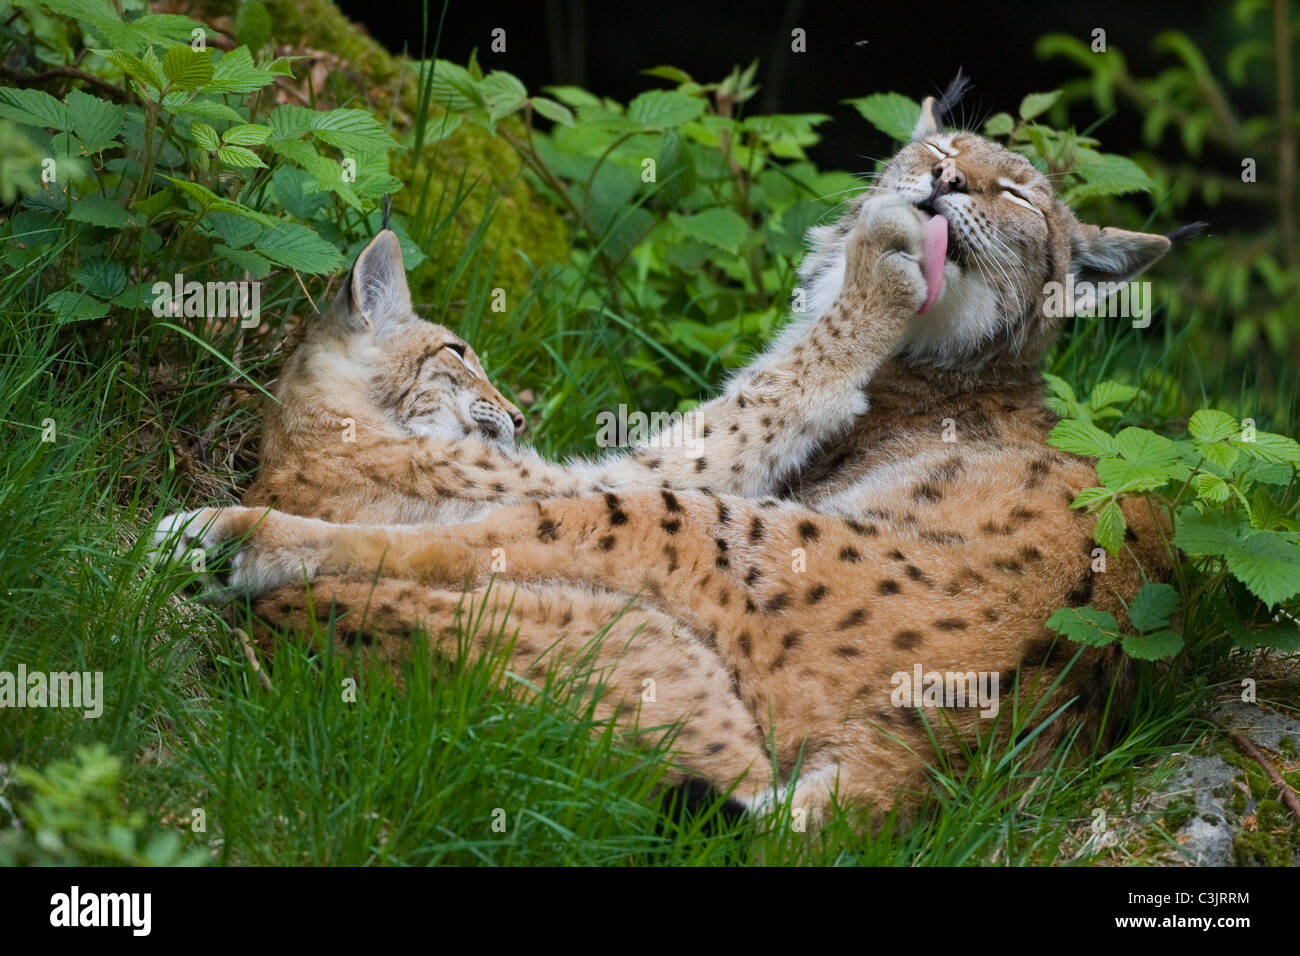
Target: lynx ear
930, 122
377, 287
1113, 255
934, 110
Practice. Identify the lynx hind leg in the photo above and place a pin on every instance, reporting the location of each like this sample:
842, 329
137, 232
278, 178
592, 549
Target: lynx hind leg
655, 672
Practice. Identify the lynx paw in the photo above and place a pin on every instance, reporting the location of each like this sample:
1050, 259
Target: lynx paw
883, 256
228, 547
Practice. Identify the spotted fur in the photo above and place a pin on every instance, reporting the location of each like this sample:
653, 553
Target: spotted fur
872, 493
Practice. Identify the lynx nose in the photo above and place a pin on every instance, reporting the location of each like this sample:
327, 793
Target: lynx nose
948, 178
520, 423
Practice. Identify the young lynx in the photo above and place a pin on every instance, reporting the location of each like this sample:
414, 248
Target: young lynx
869, 504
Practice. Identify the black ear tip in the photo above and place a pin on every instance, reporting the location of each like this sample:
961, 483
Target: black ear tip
1189, 231
388, 209
953, 94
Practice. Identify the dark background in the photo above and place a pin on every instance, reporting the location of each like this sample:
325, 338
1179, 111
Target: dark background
910, 47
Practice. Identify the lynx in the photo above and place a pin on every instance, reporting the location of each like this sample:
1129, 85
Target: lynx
871, 502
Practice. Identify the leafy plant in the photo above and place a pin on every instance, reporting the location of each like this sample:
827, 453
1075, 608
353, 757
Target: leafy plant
1228, 492
1081, 172
75, 817
1233, 153
686, 207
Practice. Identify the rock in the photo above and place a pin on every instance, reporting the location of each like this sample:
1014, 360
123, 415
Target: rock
1207, 835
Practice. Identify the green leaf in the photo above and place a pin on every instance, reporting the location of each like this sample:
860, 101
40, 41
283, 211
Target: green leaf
1216, 453
452, 86
1086, 625
68, 306
718, 227
210, 110
670, 73
239, 157
1152, 647
1105, 174
1153, 606
660, 109
1268, 564
96, 122
1081, 438
1272, 448
246, 134
101, 277
1210, 425
574, 96
186, 68
1109, 529
205, 136
235, 73
33, 108
504, 94
553, 111
290, 122
326, 173
1123, 476
891, 113
999, 124
143, 33
1212, 533
1147, 450
1111, 393
134, 67
298, 248
1091, 497
352, 131
245, 260
208, 200
99, 211
252, 24
1036, 104
1211, 488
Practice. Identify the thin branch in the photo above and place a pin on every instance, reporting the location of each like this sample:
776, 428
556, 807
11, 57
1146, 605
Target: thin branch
242, 636
1284, 788
18, 78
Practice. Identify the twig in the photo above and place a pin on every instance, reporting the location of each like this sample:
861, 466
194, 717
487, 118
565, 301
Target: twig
1284, 788
18, 78
304, 288
251, 654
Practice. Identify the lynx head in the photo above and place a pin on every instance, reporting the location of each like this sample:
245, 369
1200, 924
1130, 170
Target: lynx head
1008, 237
369, 358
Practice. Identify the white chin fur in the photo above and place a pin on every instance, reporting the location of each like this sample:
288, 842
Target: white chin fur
443, 430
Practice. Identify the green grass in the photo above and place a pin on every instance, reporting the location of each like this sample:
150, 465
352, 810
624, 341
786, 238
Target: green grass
300, 775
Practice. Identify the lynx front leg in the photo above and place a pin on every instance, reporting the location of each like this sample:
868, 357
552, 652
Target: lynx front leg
655, 672
808, 387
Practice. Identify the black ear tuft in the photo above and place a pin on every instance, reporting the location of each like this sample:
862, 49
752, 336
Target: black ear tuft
388, 209
952, 95
1190, 231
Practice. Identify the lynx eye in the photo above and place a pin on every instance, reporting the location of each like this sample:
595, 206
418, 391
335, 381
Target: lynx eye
1020, 200
935, 149
458, 350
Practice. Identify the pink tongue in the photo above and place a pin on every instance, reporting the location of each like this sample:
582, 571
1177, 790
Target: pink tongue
934, 251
